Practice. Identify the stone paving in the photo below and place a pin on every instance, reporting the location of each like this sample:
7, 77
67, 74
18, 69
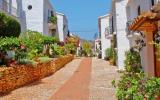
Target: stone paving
102, 76
96, 82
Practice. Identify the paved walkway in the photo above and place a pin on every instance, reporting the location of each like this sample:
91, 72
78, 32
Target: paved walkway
102, 76
82, 79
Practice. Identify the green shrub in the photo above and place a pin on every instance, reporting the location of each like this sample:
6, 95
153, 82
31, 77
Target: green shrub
134, 84
9, 43
70, 48
9, 26
36, 43
49, 40
108, 53
53, 19
137, 86
44, 59
111, 54
26, 61
57, 50
133, 61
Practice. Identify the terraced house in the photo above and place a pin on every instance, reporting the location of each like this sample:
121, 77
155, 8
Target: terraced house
136, 23
144, 17
36, 14
62, 24
104, 30
32, 14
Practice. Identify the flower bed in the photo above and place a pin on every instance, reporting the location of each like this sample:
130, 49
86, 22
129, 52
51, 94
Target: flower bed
14, 77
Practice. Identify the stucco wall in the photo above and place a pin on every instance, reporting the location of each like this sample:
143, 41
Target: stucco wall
147, 53
106, 43
33, 17
62, 26
122, 40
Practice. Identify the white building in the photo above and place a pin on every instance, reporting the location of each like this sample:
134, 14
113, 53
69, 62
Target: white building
62, 24
97, 46
104, 27
35, 16
135, 8
32, 14
119, 19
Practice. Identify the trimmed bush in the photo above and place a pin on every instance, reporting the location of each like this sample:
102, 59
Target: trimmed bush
9, 27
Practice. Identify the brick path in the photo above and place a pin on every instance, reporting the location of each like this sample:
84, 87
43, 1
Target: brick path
76, 87
77, 81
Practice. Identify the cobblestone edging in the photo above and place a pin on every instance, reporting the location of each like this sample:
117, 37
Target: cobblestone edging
14, 77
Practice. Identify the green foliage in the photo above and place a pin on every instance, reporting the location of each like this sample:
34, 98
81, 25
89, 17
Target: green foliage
44, 59
87, 49
35, 43
157, 45
49, 40
9, 43
26, 61
9, 26
133, 61
111, 54
70, 48
53, 19
134, 84
57, 50
137, 86
30, 45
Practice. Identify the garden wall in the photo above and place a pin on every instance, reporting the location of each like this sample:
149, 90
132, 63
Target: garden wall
14, 77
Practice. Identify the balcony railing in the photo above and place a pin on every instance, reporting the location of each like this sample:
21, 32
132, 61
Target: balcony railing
108, 32
9, 9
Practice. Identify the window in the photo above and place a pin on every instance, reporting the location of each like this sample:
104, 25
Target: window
152, 2
29, 7
139, 10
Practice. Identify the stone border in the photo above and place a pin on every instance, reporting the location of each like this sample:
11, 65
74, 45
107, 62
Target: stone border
14, 77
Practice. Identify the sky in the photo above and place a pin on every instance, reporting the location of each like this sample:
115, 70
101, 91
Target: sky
83, 15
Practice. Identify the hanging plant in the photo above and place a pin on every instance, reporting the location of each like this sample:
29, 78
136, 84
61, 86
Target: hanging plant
53, 19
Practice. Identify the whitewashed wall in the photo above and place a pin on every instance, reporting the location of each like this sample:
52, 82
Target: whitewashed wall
106, 43
122, 40
36, 19
132, 12
33, 17
62, 24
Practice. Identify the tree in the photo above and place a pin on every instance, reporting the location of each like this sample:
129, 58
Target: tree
9, 27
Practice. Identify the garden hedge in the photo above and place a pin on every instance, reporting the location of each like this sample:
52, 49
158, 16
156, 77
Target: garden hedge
9, 27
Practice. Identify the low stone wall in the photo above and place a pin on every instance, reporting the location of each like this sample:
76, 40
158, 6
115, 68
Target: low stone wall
14, 77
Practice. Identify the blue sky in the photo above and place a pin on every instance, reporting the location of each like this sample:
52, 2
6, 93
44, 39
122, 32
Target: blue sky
83, 15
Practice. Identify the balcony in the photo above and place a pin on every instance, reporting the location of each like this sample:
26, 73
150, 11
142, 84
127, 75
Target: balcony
8, 8
52, 26
108, 33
